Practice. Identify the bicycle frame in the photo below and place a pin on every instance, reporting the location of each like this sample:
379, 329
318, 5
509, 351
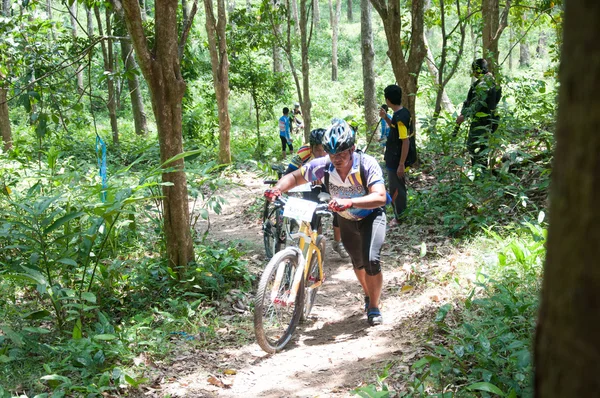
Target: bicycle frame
307, 247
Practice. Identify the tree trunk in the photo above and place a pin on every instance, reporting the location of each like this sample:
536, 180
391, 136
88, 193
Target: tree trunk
541, 46
368, 62
217, 42
284, 39
108, 56
316, 12
49, 13
349, 11
442, 96
567, 347
334, 40
523, 52
330, 2
161, 68
490, 13
130, 66
90, 22
5, 130
510, 46
295, 15
79, 72
143, 10
406, 71
277, 59
493, 26
305, 31
135, 93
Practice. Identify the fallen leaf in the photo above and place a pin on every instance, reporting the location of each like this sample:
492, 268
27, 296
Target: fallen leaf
406, 288
229, 372
435, 298
216, 382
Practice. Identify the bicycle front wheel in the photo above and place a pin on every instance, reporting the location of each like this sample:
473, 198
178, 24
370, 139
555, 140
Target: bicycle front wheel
274, 318
314, 276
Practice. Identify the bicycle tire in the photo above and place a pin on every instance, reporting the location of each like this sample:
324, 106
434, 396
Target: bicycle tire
271, 231
272, 331
310, 294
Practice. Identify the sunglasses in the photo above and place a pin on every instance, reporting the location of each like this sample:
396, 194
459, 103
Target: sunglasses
339, 154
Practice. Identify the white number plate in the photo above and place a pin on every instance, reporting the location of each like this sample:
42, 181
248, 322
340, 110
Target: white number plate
299, 209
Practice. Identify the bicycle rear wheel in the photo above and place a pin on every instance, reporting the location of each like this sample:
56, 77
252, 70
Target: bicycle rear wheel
275, 320
272, 231
310, 293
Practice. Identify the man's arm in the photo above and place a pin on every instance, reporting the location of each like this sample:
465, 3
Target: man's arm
384, 116
290, 181
403, 156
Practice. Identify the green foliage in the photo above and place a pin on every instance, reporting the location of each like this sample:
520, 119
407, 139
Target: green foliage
83, 283
251, 43
483, 344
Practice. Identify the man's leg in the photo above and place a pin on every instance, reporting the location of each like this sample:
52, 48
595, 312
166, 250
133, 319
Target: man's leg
338, 246
373, 235
398, 191
283, 144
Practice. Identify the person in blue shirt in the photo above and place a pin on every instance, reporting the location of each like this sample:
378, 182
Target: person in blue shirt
385, 129
284, 132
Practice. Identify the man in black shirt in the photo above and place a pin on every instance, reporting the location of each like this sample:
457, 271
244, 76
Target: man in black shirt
400, 149
480, 107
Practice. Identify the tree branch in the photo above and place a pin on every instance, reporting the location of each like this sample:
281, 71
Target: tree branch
524, 34
133, 19
186, 29
503, 20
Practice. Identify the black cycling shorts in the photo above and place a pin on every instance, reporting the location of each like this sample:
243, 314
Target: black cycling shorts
363, 240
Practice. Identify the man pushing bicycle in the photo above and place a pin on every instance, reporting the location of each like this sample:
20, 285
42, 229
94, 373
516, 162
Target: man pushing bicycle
355, 183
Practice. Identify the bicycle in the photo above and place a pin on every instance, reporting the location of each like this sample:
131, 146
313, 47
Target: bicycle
276, 228
288, 286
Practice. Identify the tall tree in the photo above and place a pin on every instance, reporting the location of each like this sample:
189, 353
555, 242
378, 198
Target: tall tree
316, 12
446, 104
523, 52
295, 14
406, 70
131, 74
217, 44
541, 45
109, 62
335, 19
5, 129
493, 26
277, 59
349, 12
73, 17
306, 30
443, 77
161, 68
368, 62
567, 347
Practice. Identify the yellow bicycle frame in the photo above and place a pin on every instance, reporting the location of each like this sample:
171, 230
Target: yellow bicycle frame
307, 245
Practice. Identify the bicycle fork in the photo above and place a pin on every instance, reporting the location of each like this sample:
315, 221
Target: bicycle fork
297, 278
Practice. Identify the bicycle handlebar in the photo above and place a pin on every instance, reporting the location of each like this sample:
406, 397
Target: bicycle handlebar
321, 210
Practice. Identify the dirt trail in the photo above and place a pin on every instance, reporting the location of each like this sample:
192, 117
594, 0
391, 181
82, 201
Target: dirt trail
335, 351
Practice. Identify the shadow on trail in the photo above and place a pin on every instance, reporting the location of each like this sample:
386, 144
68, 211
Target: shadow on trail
346, 329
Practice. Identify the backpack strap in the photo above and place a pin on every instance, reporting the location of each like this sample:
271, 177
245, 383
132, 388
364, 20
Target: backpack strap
362, 174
